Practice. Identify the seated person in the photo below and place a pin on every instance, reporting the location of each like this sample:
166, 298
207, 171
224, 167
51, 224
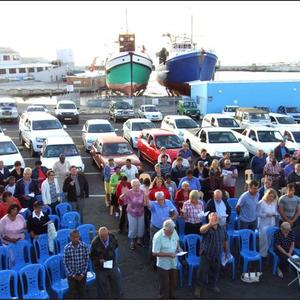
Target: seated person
7, 201
36, 223
12, 226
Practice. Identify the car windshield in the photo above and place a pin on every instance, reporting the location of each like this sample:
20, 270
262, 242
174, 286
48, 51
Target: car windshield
150, 108
259, 117
168, 141
296, 135
189, 104
267, 109
227, 122
36, 108
292, 110
56, 150
67, 106
221, 137
46, 125
123, 105
100, 128
7, 148
230, 109
286, 120
269, 136
3, 104
186, 123
116, 149
142, 125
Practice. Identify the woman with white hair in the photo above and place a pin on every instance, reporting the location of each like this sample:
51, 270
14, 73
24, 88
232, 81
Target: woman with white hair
135, 200
182, 195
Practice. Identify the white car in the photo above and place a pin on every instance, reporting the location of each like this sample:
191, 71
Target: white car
220, 120
35, 128
9, 153
150, 112
54, 146
229, 110
217, 141
94, 128
178, 124
292, 134
8, 109
281, 122
264, 138
66, 110
132, 129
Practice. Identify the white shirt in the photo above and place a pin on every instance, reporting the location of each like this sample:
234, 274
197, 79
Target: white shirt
130, 173
221, 211
34, 215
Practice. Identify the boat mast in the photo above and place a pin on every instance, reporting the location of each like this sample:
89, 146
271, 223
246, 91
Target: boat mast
192, 30
131, 60
126, 20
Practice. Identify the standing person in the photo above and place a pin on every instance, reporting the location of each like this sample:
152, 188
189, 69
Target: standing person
76, 259
11, 186
215, 180
226, 155
273, 170
103, 249
280, 151
61, 169
135, 200
164, 248
114, 180
17, 172
130, 170
51, 191
185, 162
39, 173
247, 207
7, 201
77, 189
214, 241
171, 186
205, 158
158, 185
108, 170
182, 195
4, 174
289, 206
163, 151
266, 212
193, 181
294, 177
186, 152
267, 185
165, 166
230, 175
289, 168
178, 171
257, 164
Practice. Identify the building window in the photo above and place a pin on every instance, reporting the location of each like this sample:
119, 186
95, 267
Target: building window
15, 57
31, 70
22, 70
39, 69
6, 57
12, 71
2, 71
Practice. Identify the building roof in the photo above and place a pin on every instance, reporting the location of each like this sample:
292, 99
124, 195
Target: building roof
17, 64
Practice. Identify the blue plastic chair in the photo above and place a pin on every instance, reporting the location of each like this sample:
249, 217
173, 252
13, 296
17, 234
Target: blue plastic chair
61, 240
231, 260
3, 258
47, 210
180, 228
56, 274
8, 284
232, 231
190, 242
90, 276
297, 251
55, 219
246, 253
70, 220
33, 282
18, 255
62, 208
270, 237
41, 247
232, 203
87, 233
180, 270
26, 213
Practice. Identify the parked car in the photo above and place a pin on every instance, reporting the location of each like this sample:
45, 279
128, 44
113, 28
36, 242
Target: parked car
35, 128
120, 110
188, 108
151, 140
265, 108
94, 128
252, 117
221, 121
54, 146
229, 110
217, 141
9, 152
132, 129
292, 134
178, 124
281, 122
8, 109
292, 111
265, 138
66, 111
112, 146
150, 112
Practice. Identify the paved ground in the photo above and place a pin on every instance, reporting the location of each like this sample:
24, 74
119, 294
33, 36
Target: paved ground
139, 280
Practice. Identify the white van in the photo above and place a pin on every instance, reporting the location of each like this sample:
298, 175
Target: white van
8, 109
54, 146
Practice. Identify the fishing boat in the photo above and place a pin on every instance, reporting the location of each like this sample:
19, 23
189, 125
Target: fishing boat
183, 64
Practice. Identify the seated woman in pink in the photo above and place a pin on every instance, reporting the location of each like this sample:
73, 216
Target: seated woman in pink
12, 226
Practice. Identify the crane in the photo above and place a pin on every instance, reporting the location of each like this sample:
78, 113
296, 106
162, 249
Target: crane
93, 64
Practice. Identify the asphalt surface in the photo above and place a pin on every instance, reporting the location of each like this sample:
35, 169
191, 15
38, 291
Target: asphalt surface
139, 279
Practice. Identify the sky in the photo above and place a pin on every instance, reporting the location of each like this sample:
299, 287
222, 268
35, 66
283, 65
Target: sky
239, 32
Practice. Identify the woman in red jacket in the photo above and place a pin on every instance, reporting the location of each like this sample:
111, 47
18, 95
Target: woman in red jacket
8, 200
158, 185
182, 195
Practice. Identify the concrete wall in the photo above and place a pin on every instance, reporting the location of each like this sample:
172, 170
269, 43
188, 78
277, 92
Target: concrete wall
215, 95
51, 75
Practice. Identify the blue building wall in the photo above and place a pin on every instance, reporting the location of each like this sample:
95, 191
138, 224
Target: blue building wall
213, 96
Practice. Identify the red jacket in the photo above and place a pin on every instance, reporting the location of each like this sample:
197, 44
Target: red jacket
161, 189
179, 198
119, 191
4, 206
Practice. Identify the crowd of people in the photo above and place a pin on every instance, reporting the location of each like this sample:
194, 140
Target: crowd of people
147, 205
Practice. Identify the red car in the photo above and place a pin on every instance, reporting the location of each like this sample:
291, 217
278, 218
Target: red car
112, 146
151, 140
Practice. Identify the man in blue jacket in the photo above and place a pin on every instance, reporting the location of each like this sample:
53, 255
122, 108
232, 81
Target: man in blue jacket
257, 164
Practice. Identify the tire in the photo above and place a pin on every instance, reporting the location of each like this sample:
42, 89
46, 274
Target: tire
21, 139
32, 152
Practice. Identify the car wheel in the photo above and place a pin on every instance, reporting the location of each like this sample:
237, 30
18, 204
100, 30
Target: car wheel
32, 152
21, 139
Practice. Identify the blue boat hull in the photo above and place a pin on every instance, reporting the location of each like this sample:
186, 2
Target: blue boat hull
183, 68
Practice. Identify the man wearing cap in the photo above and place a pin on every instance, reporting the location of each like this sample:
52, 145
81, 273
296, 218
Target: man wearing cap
280, 151
109, 169
164, 248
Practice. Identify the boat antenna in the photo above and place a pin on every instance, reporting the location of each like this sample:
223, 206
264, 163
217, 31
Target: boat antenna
192, 29
126, 20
